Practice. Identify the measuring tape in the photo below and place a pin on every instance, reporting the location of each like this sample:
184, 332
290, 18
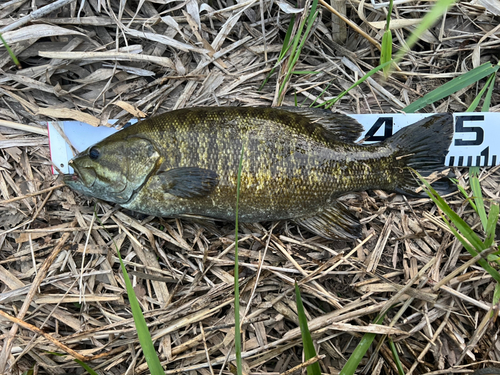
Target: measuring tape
475, 142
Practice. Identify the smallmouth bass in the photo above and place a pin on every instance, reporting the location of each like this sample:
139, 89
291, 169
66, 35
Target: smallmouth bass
296, 163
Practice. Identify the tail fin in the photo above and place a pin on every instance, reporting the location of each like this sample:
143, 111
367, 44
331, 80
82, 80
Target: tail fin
422, 147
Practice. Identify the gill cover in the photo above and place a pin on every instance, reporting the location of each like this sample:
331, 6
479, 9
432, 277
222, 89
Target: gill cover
113, 169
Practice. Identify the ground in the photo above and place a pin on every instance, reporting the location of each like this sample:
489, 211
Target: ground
92, 60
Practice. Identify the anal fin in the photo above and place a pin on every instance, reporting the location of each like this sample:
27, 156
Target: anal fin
335, 222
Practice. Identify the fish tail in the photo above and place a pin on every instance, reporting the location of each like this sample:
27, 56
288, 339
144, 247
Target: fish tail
422, 147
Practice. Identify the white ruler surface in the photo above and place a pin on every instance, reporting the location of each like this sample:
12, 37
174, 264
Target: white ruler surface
476, 141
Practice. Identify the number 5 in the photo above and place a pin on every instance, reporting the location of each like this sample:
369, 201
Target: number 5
460, 128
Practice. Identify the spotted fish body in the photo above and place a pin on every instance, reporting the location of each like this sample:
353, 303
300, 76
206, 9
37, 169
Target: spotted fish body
296, 162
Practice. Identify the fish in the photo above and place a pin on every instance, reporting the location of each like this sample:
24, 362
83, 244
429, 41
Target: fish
295, 164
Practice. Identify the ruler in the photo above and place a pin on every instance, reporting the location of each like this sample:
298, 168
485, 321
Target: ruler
476, 141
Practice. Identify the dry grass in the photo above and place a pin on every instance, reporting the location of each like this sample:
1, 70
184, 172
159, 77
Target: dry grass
59, 273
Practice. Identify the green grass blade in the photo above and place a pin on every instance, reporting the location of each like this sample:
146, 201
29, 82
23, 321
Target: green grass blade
439, 8
360, 351
237, 331
81, 363
453, 86
286, 41
461, 225
296, 47
331, 102
496, 294
491, 225
320, 95
477, 99
395, 355
143, 334
478, 195
464, 192
389, 12
309, 351
313, 14
482, 262
386, 52
312, 17
86, 367
284, 50
466, 244
293, 50
487, 99
473, 244
495, 257
305, 72
11, 54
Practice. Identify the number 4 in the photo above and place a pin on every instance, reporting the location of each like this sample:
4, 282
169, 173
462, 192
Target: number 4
388, 129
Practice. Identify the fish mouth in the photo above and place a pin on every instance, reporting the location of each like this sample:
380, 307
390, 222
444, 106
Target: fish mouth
86, 178
71, 178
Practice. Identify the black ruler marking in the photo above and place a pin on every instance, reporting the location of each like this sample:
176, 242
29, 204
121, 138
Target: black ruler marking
486, 154
478, 161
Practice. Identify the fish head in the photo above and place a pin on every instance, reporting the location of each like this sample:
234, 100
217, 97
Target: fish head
113, 169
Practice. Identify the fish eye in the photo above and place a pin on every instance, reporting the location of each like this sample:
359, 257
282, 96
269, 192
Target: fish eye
94, 153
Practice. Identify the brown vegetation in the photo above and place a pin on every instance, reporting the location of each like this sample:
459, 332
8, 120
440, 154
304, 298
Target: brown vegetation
61, 285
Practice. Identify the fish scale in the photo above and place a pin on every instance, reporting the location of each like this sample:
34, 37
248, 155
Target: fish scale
296, 163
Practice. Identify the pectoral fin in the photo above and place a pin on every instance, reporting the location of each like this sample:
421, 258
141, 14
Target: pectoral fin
186, 182
335, 222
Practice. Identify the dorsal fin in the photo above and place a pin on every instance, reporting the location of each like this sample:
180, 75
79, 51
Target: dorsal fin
337, 127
